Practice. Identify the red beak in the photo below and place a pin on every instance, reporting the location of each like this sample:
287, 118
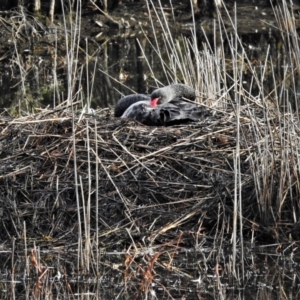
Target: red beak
154, 101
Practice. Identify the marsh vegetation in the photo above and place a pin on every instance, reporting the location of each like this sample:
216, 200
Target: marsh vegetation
93, 206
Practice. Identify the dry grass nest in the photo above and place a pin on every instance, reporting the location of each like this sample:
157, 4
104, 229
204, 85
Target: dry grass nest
151, 184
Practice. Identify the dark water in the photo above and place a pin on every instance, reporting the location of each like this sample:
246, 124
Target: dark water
124, 64
267, 275
120, 69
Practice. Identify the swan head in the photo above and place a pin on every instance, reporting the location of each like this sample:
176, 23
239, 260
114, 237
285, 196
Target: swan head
161, 96
168, 93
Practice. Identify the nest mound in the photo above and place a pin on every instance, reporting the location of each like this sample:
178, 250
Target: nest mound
60, 172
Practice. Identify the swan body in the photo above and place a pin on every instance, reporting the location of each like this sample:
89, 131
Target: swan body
164, 107
125, 102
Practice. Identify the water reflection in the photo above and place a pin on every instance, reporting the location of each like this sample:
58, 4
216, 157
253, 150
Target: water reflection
267, 275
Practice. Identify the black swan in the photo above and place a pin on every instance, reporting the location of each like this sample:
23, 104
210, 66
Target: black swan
164, 107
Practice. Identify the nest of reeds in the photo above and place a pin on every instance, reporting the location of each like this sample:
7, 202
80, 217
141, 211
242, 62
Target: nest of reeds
61, 171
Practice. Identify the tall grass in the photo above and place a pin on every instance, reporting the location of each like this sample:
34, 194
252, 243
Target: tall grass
219, 80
